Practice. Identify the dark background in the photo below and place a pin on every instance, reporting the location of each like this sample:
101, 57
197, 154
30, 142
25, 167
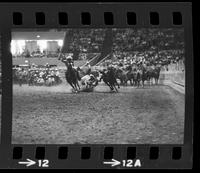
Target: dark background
196, 43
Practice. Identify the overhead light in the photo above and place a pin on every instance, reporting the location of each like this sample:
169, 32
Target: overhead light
38, 36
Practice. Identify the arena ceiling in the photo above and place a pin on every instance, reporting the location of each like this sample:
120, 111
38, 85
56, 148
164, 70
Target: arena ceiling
38, 35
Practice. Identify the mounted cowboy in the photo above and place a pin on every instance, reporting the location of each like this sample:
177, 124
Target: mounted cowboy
71, 75
67, 60
88, 67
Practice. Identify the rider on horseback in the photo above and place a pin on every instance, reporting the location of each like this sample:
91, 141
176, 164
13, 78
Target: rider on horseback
68, 61
71, 74
88, 66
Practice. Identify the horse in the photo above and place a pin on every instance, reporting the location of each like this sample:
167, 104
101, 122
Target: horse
156, 74
72, 77
130, 76
153, 73
150, 74
142, 75
109, 79
134, 73
122, 76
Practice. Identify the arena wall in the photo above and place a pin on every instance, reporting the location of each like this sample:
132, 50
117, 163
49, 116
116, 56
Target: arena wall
174, 76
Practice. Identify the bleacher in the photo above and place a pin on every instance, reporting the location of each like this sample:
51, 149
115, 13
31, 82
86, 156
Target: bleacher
84, 40
144, 39
163, 45
97, 45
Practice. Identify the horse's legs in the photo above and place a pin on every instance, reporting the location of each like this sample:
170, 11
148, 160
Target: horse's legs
149, 80
138, 83
75, 86
111, 86
121, 82
72, 86
115, 88
156, 81
108, 85
131, 82
20, 82
125, 83
135, 83
78, 85
117, 83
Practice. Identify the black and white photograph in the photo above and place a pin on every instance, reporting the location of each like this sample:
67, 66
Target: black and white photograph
0, 88
98, 86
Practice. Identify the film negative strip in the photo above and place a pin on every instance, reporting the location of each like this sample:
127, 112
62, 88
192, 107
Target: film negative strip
96, 85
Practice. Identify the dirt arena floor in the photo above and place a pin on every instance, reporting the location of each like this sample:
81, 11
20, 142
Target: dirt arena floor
55, 115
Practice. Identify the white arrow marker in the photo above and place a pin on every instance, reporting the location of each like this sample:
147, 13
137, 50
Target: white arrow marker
28, 163
113, 163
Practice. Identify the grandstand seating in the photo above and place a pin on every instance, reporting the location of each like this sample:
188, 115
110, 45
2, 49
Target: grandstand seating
123, 43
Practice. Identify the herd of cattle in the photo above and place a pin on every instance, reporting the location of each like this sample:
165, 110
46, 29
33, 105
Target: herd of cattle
88, 78
131, 75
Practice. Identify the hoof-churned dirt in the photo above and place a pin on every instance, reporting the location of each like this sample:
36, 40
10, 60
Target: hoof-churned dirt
55, 115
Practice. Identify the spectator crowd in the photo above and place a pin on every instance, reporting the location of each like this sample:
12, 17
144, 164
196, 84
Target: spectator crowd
147, 46
36, 75
128, 46
86, 40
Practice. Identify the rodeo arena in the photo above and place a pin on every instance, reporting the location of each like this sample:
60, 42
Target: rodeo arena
98, 86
